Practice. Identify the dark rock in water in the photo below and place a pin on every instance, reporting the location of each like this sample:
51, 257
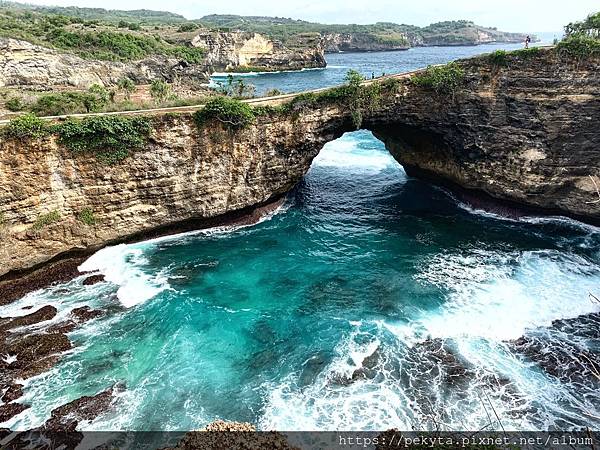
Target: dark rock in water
27, 307
312, 367
436, 355
62, 327
10, 410
79, 315
93, 280
37, 367
66, 417
59, 272
563, 360
13, 392
85, 313
574, 359
45, 313
31, 348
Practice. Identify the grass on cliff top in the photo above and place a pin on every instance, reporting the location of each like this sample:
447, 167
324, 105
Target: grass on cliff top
446, 79
579, 46
26, 126
109, 138
92, 39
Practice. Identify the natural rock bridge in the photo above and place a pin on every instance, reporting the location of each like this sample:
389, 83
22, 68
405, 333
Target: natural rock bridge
525, 132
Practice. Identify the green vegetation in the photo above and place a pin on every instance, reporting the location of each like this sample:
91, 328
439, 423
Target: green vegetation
160, 91
15, 104
298, 32
230, 112
109, 138
127, 86
582, 39
187, 27
144, 16
273, 93
46, 219
26, 126
579, 46
90, 39
354, 96
86, 216
589, 27
444, 80
236, 88
61, 103
499, 58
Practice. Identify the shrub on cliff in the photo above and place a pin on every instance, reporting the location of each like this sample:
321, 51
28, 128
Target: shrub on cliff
110, 138
579, 46
46, 219
444, 79
61, 103
499, 58
231, 112
15, 104
26, 126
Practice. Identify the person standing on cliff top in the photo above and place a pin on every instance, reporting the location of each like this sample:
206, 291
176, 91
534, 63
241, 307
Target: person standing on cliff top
527, 41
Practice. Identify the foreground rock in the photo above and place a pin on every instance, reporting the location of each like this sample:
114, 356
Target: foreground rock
233, 436
523, 132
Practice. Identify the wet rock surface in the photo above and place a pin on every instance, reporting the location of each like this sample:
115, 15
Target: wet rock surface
19, 285
47, 312
568, 350
66, 417
94, 279
78, 316
10, 410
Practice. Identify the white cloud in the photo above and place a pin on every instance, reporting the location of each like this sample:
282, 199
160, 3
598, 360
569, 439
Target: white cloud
509, 15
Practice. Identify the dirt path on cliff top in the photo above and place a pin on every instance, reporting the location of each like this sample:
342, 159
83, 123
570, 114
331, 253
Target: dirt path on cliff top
261, 101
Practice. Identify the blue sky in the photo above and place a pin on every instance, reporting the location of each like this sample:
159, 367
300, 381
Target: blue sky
508, 15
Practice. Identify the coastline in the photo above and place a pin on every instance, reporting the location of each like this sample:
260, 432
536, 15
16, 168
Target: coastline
64, 267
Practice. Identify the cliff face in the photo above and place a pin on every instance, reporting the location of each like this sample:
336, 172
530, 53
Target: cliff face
29, 65
361, 42
526, 133
227, 51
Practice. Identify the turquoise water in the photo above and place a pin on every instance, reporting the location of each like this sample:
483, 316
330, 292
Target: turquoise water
369, 64
329, 314
267, 323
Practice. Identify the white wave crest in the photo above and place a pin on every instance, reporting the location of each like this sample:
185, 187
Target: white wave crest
121, 265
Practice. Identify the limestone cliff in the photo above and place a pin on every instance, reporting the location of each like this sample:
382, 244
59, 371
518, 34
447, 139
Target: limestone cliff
362, 42
526, 132
231, 50
28, 65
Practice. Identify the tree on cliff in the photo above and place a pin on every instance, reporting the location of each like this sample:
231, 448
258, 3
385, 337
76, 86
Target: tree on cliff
127, 86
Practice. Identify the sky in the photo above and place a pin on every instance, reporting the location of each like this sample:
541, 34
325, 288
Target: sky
506, 15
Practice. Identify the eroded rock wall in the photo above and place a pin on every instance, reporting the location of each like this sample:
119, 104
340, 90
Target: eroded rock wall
228, 50
527, 132
24, 64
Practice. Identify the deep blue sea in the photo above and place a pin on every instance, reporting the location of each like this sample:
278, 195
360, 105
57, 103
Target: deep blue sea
370, 300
